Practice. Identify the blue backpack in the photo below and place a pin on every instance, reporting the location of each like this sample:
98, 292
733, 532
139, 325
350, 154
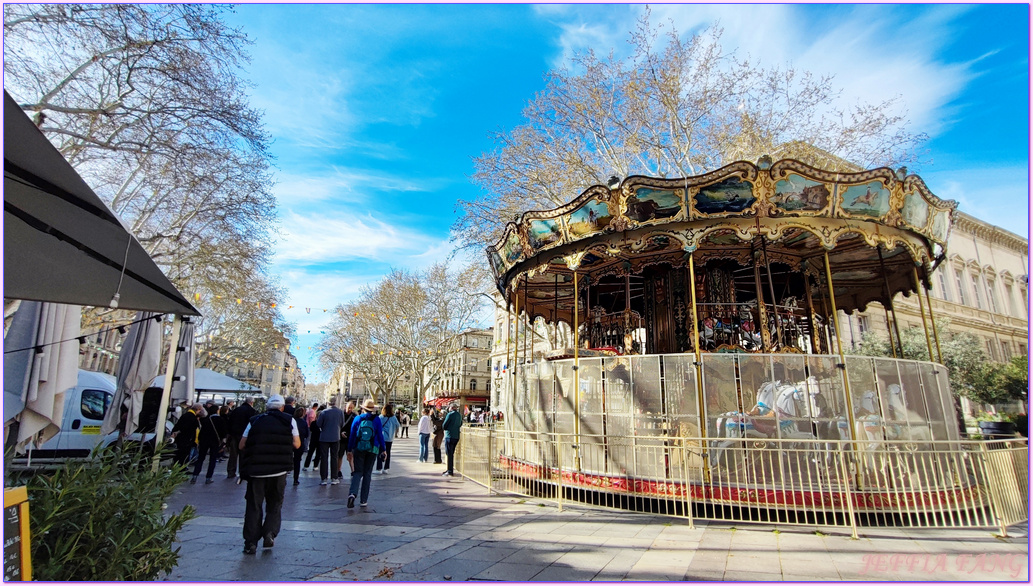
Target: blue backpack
365, 436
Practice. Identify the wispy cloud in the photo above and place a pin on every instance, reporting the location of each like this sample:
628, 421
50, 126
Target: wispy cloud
875, 53
341, 236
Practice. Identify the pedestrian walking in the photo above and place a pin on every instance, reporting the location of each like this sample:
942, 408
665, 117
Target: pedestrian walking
439, 435
330, 421
349, 417
425, 428
390, 424
267, 447
313, 441
290, 407
303, 433
365, 442
184, 434
453, 421
221, 421
238, 420
207, 445
404, 420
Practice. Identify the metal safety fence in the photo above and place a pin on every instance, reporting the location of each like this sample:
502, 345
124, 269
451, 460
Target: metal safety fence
841, 483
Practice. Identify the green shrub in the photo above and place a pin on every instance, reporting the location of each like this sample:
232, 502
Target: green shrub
101, 518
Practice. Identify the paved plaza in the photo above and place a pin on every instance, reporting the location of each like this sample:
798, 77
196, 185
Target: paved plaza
420, 526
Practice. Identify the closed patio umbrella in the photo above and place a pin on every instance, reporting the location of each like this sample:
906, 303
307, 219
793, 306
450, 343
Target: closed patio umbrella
138, 364
45, 365
183, 380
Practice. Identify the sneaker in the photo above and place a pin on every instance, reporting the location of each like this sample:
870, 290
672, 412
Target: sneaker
250, 548
208, 481
296, 483
231, 476
335, 482
385, 471
351, 501
362, 504
267, 541
322, 482
193, 480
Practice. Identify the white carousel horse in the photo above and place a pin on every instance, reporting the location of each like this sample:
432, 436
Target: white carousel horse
905, 426
773, 417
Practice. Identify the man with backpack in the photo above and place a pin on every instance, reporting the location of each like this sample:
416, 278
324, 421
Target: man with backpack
365, 443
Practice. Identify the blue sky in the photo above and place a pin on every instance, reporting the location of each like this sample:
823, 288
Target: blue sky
376, 111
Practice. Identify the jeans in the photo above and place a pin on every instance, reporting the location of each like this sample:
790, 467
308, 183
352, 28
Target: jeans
424, 441
299, 453
450, 449
271, 491
385, 464
212, 451
404, 432
328, 457
363, 474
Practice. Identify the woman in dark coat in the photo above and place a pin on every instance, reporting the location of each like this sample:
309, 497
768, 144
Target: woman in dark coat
313, 447
303, 433
439, 435
207, 445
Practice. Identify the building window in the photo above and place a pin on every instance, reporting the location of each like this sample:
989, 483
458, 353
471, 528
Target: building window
1009, 299
1022, 348
975, 291
473, 384
1005, 351
991, 296
1025, 302
944, 291
960, 283
990, 349
862, 324
473, 364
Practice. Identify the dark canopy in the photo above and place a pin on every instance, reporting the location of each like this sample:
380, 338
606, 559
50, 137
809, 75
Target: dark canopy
61, 242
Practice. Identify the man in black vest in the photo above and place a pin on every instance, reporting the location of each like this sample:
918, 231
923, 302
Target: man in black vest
267, 449
238, 421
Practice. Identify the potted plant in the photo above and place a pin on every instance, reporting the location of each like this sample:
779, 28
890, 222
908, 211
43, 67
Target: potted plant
996, 425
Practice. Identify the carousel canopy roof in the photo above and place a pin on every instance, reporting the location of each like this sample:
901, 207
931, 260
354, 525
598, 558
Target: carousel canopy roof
791, 211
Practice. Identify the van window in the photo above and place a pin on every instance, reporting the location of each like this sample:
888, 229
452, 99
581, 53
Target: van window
94, 403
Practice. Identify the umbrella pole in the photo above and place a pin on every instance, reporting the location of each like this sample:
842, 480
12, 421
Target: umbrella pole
166, 391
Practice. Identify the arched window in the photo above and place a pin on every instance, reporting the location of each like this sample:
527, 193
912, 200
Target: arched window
473, 384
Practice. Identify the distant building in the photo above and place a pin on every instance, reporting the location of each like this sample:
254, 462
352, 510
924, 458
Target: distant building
466, 372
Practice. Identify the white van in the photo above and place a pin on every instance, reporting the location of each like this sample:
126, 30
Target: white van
85, 406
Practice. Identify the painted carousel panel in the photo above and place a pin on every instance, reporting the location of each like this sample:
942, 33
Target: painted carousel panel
730, 196
591, 218
797, 193
870, 199
653, 204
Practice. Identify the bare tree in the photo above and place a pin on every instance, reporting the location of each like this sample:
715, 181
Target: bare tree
404, 324
675, 107
147, 103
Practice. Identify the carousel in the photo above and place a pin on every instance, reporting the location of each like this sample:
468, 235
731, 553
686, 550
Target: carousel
694, 346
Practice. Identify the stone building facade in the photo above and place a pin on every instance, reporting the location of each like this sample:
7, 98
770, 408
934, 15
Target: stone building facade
466, 372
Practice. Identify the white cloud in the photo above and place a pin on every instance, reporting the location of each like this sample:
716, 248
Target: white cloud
876, 53
343, 185
339, 236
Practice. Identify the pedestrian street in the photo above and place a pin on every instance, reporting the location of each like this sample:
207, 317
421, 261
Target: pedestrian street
421, 526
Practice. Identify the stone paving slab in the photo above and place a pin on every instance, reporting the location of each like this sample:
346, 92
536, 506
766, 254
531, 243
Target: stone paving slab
421, 526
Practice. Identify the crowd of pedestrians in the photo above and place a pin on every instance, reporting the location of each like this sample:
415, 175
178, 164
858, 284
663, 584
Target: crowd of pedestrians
286, 439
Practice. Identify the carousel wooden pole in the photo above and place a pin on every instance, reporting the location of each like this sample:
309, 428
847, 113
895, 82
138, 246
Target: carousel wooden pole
889, 300
889, 331
921, 312
765, 335
556, 313
771, 288
577, 384
839, 347
516, 341
810, 313
932, 320
528, 321
699, 367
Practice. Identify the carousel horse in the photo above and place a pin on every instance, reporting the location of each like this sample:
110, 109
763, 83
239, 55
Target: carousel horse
772, 417
905, 426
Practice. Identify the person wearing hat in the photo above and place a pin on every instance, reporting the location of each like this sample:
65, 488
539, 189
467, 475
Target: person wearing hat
365, 443
267, 449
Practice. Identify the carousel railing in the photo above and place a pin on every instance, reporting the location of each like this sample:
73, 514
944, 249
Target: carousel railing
787, 482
